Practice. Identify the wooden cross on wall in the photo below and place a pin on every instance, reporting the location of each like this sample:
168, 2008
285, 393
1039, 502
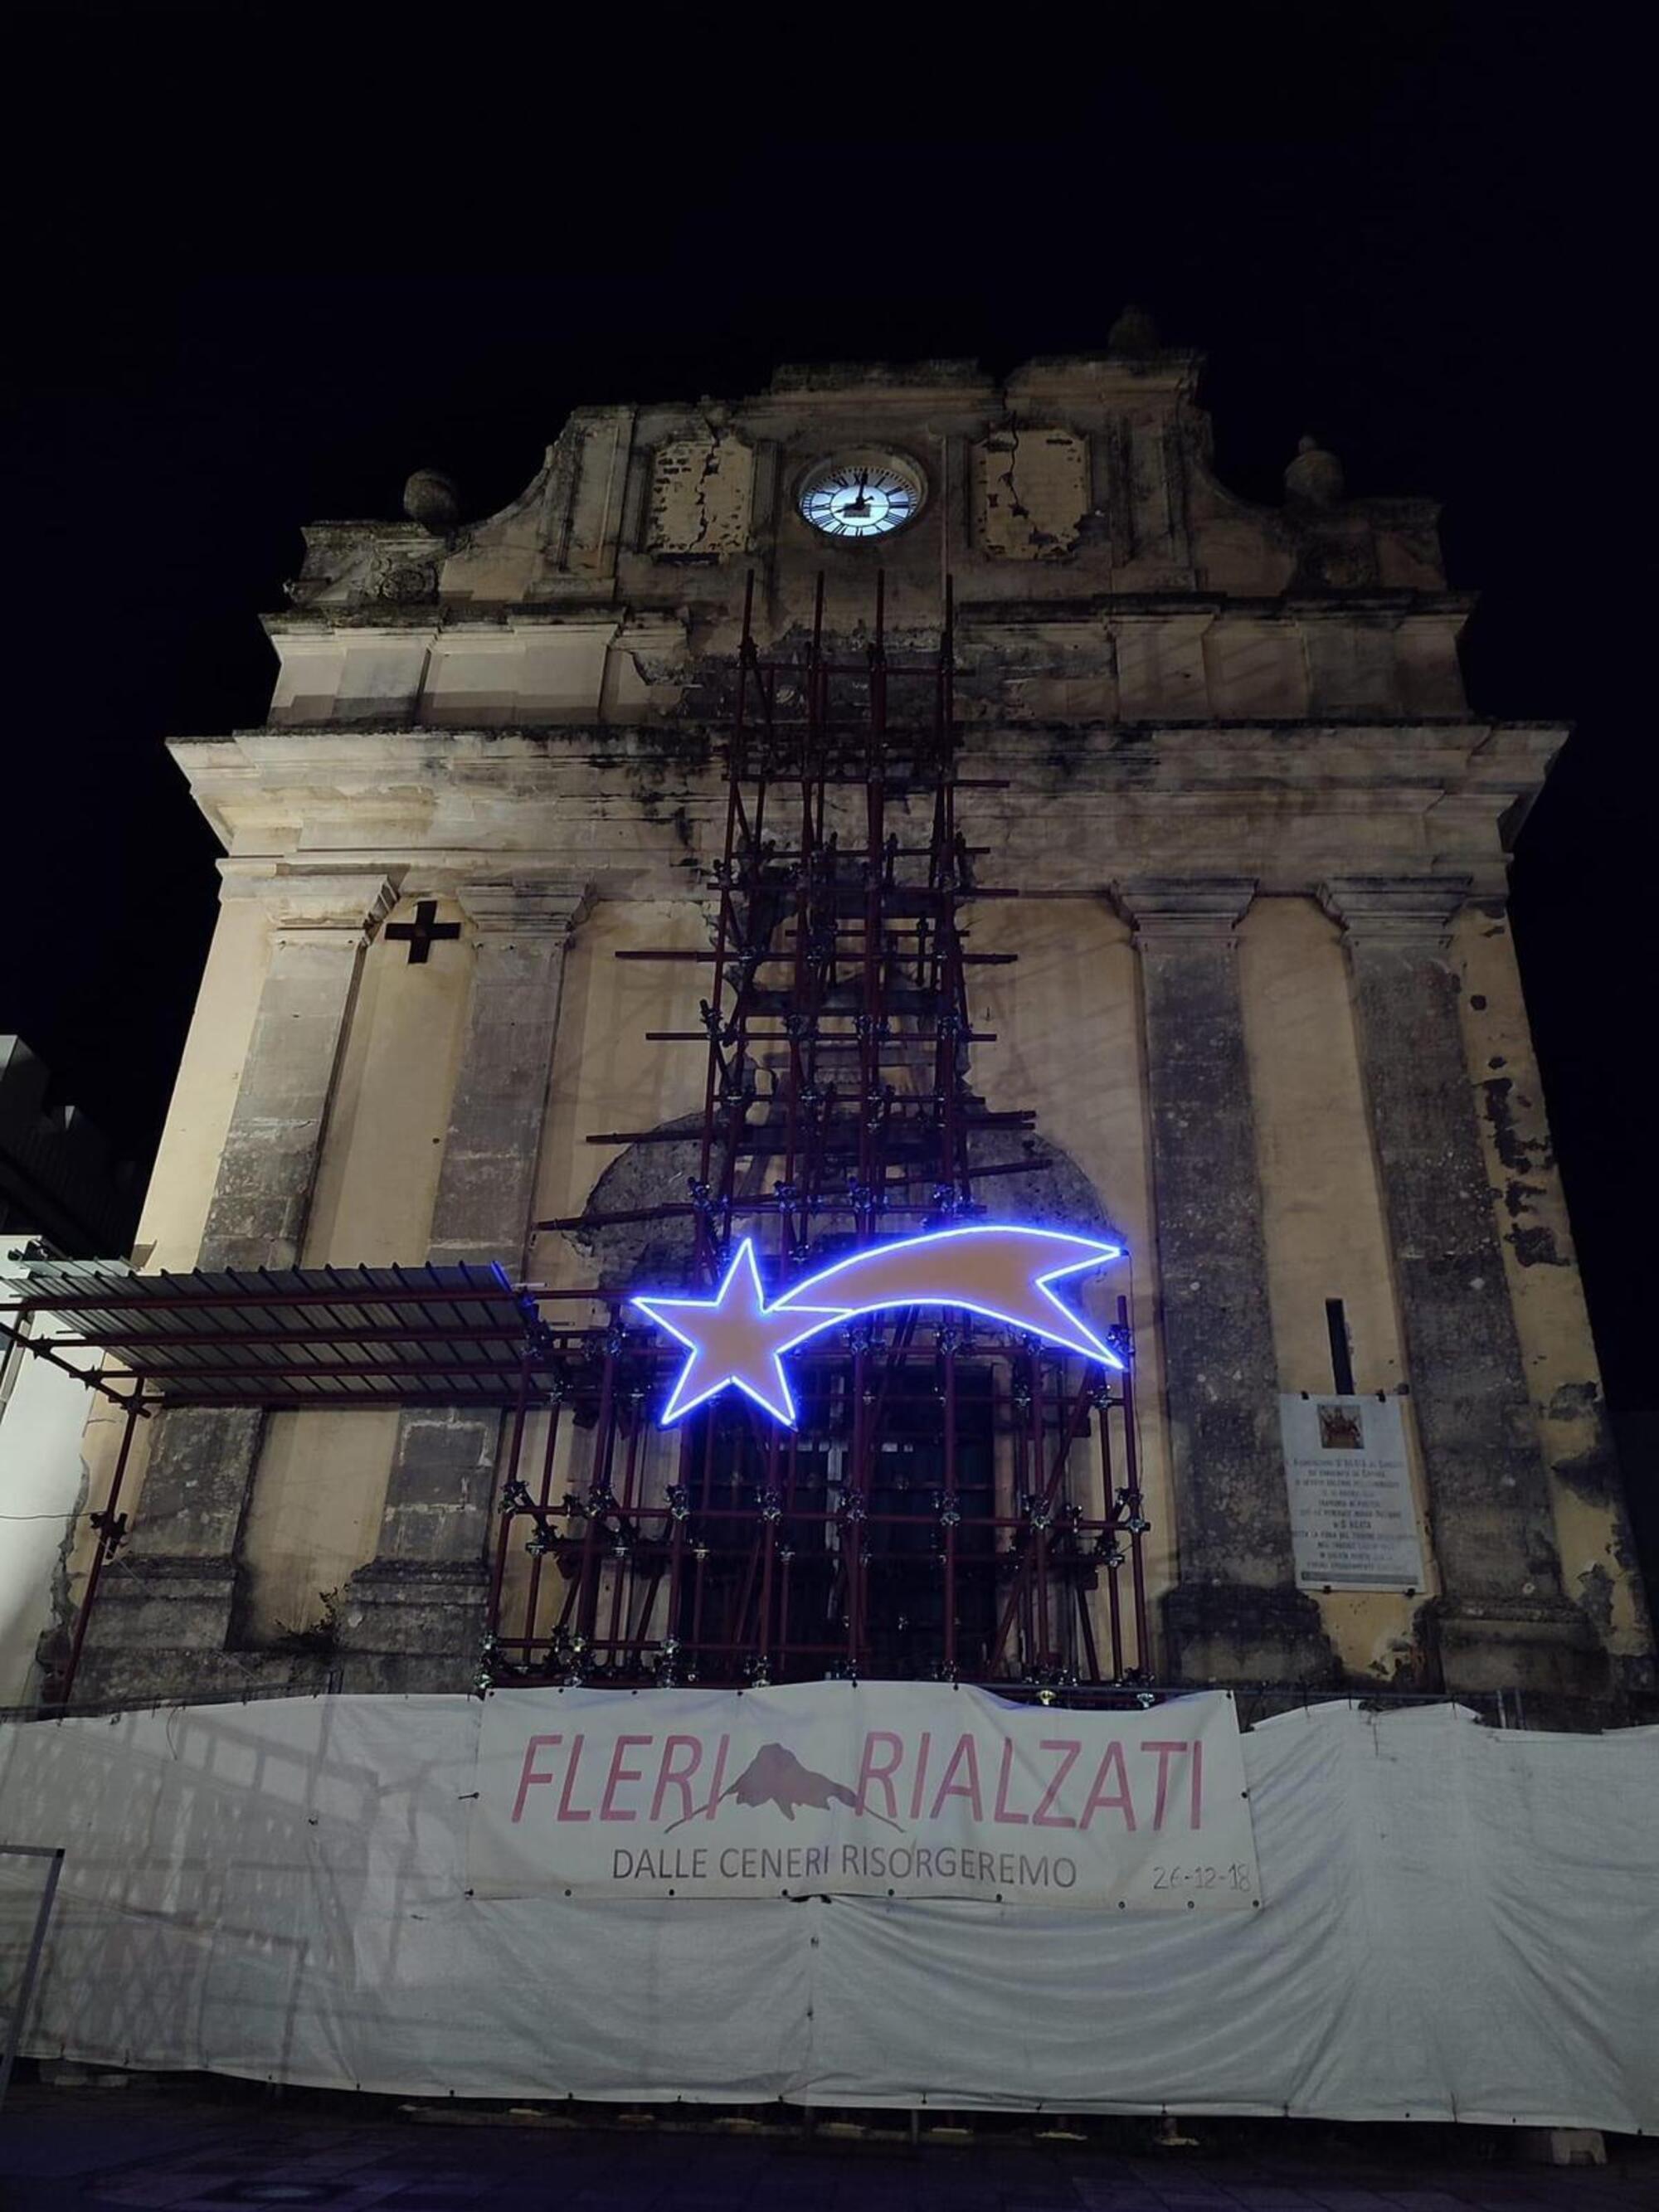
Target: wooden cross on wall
424, 932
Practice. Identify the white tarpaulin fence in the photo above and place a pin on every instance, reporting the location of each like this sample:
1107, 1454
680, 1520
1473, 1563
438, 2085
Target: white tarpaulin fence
873, 1789
1458, 1923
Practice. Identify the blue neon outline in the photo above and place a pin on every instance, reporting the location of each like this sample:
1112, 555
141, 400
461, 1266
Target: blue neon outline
1096, 1253
822, 1317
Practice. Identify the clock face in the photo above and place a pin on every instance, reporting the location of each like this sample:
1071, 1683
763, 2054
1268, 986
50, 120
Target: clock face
863, 495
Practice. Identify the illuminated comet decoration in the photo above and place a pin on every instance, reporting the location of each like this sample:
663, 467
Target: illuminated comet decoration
994, 1269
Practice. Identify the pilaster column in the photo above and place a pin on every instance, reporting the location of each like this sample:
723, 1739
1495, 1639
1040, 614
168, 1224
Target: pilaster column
414, 1617
162, 1625
1502, 1618
320, 924
1235, 1614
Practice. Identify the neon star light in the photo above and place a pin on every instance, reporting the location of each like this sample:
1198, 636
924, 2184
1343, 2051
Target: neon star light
996, 1269
736, 1337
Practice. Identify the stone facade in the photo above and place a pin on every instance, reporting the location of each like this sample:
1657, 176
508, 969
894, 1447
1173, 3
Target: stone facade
1260, 842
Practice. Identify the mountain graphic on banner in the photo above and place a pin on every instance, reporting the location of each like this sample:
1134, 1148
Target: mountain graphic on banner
775, 1777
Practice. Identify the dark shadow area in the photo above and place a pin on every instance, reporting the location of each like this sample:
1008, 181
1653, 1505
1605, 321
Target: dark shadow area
217, 2142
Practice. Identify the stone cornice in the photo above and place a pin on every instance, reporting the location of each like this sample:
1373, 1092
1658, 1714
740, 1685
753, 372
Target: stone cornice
530, 903
1396, 914
637, 810
300, 898
808, 387
1174, 370
1176, 913
693, 735
975, 615
1473, 773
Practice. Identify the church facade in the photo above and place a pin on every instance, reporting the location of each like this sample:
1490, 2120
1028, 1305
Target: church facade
1261, 1016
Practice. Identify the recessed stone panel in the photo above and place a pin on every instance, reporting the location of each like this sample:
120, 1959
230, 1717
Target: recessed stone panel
702, 494
1255, 668
1351, 667
1030, 493
1160, 667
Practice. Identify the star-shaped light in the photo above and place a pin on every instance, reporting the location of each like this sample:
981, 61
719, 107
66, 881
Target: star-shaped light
736, 1337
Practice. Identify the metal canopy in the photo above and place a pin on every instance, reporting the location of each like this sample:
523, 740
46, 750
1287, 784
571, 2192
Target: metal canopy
297, 1336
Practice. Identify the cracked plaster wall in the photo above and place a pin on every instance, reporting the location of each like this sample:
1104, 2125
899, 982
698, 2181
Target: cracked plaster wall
701, 493
1031, 492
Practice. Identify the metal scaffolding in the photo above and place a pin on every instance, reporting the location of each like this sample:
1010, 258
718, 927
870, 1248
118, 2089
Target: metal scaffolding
957, 1501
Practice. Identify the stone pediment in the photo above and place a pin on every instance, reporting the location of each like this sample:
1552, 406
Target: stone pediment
1095, 469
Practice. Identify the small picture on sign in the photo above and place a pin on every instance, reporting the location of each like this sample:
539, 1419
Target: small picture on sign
1354, 1518
1341, 1429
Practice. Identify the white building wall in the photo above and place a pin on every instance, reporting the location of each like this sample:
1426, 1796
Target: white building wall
43, 1484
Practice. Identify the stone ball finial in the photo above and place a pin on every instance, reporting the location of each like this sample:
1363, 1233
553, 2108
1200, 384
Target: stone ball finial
430, 498
1135, 331
1314, 476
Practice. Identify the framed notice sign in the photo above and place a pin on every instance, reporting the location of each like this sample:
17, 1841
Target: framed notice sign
1354, 1520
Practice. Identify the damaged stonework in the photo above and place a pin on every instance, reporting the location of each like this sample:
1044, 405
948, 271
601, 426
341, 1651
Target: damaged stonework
1595, 1588
1592, 1471
1534, 1241
1030, 492
702, 492
349, 564
1529, 1213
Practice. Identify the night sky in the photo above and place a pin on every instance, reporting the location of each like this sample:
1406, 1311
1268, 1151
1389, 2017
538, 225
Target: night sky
262, 262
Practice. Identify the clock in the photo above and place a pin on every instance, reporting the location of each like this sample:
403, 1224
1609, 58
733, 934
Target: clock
865, 493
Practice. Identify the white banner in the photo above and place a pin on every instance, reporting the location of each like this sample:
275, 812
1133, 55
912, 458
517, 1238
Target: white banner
1354, 1520
879, 1789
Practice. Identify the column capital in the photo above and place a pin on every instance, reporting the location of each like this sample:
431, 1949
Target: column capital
1170, 912
347, 902
1396, 914
525, 906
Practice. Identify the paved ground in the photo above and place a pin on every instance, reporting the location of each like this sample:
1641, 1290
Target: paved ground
181, 2148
